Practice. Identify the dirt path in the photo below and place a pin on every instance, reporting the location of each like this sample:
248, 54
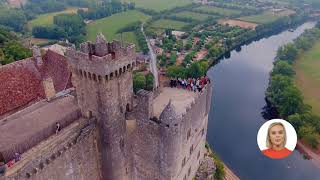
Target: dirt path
315, 158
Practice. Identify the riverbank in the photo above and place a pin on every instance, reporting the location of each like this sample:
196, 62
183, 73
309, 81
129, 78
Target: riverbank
309, 153
222, 170
293, 89
260, 32
307, 70
239, 89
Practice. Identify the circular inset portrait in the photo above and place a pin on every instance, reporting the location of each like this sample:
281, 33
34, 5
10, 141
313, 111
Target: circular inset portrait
277, 138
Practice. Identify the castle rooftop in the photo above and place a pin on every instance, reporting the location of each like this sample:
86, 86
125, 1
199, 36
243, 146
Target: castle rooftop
28, 127
180, 99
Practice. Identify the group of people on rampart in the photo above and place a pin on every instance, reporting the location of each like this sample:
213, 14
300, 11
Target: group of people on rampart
190, 84
4, 166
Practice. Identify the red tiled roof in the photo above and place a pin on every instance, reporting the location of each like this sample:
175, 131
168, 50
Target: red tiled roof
20, 84
56, 67
21, 80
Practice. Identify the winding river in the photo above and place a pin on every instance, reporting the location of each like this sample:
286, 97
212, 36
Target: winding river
239, 84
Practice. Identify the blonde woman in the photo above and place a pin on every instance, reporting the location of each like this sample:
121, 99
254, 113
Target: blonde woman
276, 142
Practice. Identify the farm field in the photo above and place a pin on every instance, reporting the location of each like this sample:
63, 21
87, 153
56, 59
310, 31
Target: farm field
192, 15
239, 5
236, 22
47, 19
168, 24
308, 77
263, 18
128, 37
160, 5
217, 10
110, 25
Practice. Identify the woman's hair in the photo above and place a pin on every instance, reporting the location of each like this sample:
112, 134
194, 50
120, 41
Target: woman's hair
269, 143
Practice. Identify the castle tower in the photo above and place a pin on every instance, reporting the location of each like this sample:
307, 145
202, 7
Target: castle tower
102, 76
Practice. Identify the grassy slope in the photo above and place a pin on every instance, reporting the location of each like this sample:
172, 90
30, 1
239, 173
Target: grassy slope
110, 25
166, 24
192, 15
160, 5
263, 18
308, 77
218, 10
47, 19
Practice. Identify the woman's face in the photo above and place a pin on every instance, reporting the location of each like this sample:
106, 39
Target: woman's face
277, 135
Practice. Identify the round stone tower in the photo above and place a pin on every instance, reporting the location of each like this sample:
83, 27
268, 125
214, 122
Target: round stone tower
102, 76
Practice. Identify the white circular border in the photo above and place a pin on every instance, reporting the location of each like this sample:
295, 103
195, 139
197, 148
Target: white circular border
290, 131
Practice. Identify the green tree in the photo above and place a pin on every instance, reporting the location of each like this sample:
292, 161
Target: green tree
288, 53
215, 52
149, 82
295, 120
173, 58
309, 134
139, 82
176, 72
14, 51
283, 68
195, 70
290, 102
179, 45
13, 18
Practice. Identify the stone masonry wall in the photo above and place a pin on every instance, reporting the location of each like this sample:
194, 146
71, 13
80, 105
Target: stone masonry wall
192, 136
174, 152
70, 155
102, 76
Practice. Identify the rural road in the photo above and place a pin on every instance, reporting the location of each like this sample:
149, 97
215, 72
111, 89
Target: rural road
153, 60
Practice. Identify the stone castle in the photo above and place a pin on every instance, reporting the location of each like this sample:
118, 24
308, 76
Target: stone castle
108, 132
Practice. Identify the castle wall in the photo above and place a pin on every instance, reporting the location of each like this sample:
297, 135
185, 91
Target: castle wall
146, 151
194, 123
70, 155
164, 151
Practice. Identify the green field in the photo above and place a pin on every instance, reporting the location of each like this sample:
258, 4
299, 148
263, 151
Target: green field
218, 10
110, 25
263, 18
168, 24
128, 37
47, 19
307, 68
192, 15
160, 5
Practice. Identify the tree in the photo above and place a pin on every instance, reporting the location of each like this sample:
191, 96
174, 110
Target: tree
195, 70
198, 69
189, 45
295, 120
309, 134
49, 32
176, 72
149, 82
283, 68
214, 52
15, 19
288, 53
179, 45
14, 51
173, 58
290, 102
139, 82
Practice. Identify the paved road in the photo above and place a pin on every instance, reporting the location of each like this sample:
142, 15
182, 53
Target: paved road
153, 60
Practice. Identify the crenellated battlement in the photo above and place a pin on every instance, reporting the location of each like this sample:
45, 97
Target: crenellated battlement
198, 98
179, 104
101, 61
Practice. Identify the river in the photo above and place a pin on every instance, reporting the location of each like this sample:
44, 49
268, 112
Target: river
239, 84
